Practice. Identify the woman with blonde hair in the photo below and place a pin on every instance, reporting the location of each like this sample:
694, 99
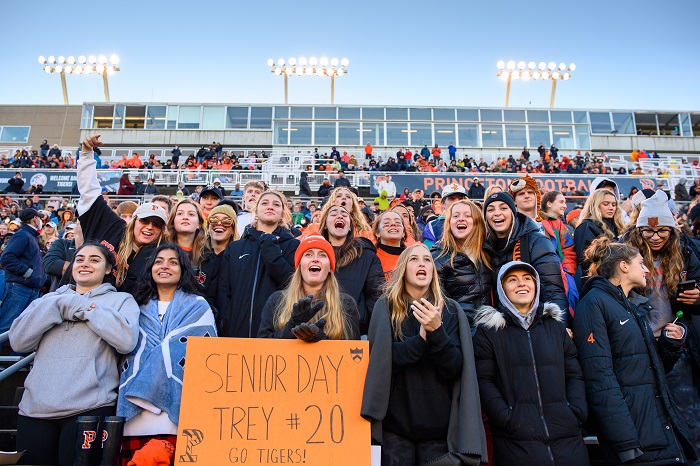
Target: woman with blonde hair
255, 266
185, 228
601, 216
345, 198
390, 236
460, 260
48, 235
421, 392
311, 307
494, 188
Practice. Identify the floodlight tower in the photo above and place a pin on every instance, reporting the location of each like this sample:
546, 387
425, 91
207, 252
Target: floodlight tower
313, 66
83, 65
544, 71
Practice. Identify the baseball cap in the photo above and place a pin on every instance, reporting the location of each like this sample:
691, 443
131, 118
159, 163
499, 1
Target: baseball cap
51, 224
69, 226
211, 190
453, 188
149, 209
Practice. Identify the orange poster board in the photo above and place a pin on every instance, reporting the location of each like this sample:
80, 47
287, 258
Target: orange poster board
267, 401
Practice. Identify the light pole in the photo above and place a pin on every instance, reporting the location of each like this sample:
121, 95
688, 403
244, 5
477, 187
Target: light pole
544, 71
303, 67
82, 65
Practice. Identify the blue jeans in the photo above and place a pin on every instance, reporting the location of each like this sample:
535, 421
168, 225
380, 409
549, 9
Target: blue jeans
15, 299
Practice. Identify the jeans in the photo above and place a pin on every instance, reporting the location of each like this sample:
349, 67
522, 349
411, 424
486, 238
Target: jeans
15, 299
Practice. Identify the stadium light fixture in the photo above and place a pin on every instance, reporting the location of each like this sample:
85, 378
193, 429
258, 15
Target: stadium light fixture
535, 71
302, 66
82, 65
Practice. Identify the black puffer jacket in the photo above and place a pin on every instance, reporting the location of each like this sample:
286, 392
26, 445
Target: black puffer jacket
531, 388
463, 281
252, 268
363, 279
542, 256
624, 369
586, 231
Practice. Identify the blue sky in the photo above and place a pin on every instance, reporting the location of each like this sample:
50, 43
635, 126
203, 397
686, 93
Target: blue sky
629, 55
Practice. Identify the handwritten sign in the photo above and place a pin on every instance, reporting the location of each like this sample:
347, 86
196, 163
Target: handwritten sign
266, 401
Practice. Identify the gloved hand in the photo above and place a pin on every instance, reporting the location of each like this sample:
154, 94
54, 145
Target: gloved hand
311, 333
303, 311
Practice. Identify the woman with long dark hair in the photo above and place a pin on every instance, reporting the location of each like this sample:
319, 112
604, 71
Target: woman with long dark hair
151, 379
390, 236
312, 307
421, 393
623, 364
77, 333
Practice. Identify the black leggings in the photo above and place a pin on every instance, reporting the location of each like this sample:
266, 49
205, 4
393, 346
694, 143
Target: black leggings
51, 441
400, 451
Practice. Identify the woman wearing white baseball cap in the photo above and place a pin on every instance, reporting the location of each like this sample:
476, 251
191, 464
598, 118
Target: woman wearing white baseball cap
133, 243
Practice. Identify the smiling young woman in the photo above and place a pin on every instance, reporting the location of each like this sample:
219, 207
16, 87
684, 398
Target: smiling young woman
390, 236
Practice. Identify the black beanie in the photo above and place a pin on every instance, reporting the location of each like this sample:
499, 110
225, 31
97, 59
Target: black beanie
27, 215
694, 212
500, 196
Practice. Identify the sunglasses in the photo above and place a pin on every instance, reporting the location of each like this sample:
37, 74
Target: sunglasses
156, 222
226, 222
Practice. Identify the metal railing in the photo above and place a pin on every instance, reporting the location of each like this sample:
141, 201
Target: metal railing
19, 362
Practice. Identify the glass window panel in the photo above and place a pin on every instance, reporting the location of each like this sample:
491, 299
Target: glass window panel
668, 124
580, 117
560, 117
300, 113
583, 138
421, 134
372, 132
119, 114
685, 124
539, 134
348, 113
444, 114
467, 114
15, 134
514, 116
155, 117
444, 135
468, 135
281, 132
491, 115
396, 134
563, 137
397, 114
600, 122
348, 134
420, 114
135, 117
324, 113
281, 113
103, 116
86, 117
537, 116
236, 117
260, 117
172, 117
492, 135
369, 113
622, 123
516, 135
300, 132
324, 133
188, 117
695, 122
213, 118
646, 124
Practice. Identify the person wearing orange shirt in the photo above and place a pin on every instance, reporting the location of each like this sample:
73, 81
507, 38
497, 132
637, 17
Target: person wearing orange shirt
436, 153
368, 150
390, 236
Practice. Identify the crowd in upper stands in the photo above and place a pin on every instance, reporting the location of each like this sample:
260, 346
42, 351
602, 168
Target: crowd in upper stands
503, 325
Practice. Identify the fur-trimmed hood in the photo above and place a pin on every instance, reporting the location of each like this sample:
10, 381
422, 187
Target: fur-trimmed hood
492, 318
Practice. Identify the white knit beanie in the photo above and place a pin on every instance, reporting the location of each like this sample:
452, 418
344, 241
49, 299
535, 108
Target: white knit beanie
655, 212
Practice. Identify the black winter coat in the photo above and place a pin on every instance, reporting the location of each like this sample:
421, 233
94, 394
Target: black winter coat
252, 268
543, 257
304, 188
624, 368
466, 283
363, 279
586, 231
531, 388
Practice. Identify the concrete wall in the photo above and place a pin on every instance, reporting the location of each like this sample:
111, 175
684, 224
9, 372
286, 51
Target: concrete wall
660, 144
59, 124
168, 138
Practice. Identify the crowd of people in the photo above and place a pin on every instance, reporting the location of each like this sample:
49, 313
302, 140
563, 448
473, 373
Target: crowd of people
503, 327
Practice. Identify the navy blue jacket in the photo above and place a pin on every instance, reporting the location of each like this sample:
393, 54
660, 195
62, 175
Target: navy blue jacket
22, 253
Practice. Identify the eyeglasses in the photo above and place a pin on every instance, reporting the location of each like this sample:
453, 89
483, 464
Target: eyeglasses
226, 222
649, 233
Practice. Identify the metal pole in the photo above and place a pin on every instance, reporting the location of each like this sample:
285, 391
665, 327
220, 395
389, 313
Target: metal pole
554, 90
104, 79
507, 89
286, 89
65, 88
333, 89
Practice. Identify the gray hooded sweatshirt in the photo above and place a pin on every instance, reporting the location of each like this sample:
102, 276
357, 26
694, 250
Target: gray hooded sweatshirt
76, 363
